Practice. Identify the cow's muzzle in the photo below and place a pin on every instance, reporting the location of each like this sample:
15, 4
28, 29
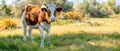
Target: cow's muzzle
52, 19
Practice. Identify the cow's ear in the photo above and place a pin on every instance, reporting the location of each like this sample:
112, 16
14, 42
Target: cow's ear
59, 9
44, 9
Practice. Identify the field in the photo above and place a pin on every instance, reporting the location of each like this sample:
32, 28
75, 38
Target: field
97, 34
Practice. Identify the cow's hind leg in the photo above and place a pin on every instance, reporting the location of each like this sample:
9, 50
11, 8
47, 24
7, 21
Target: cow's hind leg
24, 25
24, 30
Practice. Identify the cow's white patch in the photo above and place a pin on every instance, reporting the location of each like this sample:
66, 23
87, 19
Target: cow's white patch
52, 10
34, 26
44, 26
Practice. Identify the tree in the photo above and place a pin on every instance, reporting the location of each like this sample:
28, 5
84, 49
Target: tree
67, 6
18, 5
82, 7
6, 10
111, 6
117, 9
92, 7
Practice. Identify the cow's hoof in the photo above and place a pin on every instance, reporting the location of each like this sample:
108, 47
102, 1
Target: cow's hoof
32, 41
49, 44
24, 40
42, 46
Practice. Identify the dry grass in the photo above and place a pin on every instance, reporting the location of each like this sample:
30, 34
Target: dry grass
106, 25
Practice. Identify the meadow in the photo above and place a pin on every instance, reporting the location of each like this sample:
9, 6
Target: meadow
95, 34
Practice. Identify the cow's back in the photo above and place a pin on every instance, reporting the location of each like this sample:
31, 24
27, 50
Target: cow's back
31, 16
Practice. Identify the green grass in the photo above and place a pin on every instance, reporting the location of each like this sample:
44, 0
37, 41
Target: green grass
67, 42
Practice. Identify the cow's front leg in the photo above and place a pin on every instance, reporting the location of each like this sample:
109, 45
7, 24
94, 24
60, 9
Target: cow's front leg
30, 33
48, 37
42, 35
48, 34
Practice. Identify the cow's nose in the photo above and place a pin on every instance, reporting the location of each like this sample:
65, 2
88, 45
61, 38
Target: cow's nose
52, 19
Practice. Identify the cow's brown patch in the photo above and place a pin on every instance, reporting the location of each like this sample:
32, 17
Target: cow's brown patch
34, 15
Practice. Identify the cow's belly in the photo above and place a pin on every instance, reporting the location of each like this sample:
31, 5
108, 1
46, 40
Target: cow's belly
44, 25
34, 26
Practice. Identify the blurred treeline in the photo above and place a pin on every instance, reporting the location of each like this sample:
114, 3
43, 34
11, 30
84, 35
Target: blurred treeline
87, 7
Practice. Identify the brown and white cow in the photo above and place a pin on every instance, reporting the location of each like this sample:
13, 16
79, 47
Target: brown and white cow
40, 17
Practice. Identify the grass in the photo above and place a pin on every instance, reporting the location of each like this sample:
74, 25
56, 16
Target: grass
66, 42
58, 22
101, 34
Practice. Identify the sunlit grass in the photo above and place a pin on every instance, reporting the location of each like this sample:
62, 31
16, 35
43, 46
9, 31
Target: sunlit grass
101, 34
66, 42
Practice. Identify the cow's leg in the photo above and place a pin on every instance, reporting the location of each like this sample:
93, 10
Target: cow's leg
24, 25
48, 33
48, 36
30, 33
42, 35
24, 29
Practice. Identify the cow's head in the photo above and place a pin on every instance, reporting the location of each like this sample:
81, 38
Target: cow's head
49, 12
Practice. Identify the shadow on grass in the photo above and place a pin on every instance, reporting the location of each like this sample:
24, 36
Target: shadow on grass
67, 42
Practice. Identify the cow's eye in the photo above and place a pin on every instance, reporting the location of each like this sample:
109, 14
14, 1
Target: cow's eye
44, 9
58, 9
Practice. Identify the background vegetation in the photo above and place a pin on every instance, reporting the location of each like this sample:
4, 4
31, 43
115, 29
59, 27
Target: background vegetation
91, 7
86, 26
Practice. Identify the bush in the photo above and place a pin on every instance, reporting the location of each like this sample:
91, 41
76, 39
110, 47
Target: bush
7, 24
73, 15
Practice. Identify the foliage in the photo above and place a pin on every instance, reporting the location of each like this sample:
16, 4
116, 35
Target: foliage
111, 6
7, 24
96, 9
117, 9
73, 15
6, 10
67, 6
92, 7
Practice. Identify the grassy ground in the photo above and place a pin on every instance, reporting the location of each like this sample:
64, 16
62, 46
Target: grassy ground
98, 34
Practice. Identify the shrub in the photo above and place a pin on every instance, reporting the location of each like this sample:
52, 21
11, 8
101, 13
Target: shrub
73, 15
7, 24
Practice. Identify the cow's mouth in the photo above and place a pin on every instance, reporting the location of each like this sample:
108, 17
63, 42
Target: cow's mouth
49, 22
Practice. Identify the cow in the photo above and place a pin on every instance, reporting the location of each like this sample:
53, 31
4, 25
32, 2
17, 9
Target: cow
39, 17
